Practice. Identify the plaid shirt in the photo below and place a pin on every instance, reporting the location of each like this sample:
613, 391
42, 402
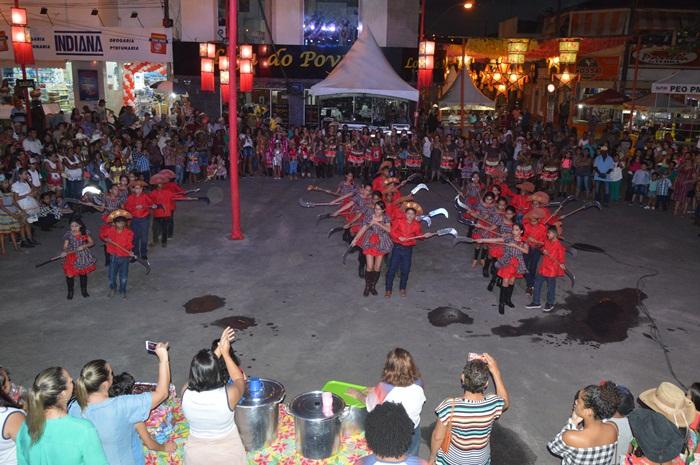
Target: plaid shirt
663, 186
141, 163
599, 455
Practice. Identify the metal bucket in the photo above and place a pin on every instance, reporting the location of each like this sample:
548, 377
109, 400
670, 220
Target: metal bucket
257, 413
317, 436
353, 420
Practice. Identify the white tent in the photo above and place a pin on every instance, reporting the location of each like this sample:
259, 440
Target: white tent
682, 82
473, 98
364, 71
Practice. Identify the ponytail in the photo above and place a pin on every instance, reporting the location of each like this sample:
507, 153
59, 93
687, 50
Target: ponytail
48, 386
91, 377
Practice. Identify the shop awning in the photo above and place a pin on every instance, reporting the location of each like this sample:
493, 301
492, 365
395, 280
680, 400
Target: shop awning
659, 103
473, 98
607, 98
683, 82
364, 71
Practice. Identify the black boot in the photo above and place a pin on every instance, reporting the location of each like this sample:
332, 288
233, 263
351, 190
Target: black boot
495, 281
368, 281
71, 286
362, 264
476, 253
484, 253
501, 301
487, 267
83, 286
509, 294
375, 278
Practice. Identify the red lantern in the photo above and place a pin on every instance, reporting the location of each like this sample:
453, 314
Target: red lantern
19, 16
22, 45
207, 75
223, 63
246, 75
246, 52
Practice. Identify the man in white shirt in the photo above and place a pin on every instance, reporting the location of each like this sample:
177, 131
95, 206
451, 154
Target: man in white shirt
32, 144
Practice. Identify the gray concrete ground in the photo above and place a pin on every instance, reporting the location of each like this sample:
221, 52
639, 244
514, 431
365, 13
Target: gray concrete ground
313, 324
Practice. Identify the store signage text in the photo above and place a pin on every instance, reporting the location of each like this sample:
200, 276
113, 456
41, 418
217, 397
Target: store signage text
676, 88
78, 43
666, 57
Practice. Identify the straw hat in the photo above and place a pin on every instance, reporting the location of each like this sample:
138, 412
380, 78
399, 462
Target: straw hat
158, 179
541, 197
670, 401
138, 182
537, 213
413, 205
168, 174
117, 213
526, 187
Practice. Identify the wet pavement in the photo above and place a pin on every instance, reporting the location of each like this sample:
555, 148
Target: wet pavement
302, 319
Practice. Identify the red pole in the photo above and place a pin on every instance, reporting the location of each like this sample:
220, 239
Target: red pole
28, 118
236, 233
421, 36
462, 70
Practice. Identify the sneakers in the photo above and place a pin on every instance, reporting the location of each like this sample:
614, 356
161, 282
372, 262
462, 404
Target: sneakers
548, 308
647, 207
533, 306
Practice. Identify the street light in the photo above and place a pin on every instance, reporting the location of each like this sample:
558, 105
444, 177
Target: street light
469, 4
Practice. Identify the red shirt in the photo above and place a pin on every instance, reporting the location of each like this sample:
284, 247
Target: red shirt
555, 256
537, 232
138, 205
164, 198
521, 202
174, 188
400, 227
378, 184
125, 238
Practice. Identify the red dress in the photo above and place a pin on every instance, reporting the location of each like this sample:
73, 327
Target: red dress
78, 262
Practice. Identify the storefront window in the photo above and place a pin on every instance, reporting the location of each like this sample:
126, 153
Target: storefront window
56, 84
330, 23
251, 21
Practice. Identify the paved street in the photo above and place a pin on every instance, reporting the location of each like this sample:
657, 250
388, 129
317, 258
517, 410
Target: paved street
312, 323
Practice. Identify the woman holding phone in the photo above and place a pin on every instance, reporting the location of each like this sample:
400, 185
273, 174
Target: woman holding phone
208, 403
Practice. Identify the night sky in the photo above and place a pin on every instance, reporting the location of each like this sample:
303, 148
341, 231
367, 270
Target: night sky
448, 17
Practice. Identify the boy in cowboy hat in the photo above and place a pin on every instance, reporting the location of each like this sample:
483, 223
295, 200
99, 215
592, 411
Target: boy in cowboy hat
550, 268
404, 233
119, 239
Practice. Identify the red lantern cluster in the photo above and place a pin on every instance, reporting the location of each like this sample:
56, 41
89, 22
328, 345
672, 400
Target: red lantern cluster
207, 53
245, 68
21, 38
426, 63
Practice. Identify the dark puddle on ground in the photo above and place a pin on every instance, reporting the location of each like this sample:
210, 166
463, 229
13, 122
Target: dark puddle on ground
507, 448
587, 247
236, 322
443, 316
597, 317
204, 304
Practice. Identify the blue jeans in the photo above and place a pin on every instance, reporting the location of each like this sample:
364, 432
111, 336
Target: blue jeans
179, 174
415, 443
118, 269
551, 289
532, 259
73, 190
140, 228
582, 183
602, 192
400, 260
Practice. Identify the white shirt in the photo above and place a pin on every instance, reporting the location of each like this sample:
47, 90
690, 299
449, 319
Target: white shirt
35, 177
208, 413
411, 397
624, 438
8, 452
33, 146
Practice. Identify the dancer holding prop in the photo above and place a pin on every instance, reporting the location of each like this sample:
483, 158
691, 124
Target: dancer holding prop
511, 265
375, 243
551, 267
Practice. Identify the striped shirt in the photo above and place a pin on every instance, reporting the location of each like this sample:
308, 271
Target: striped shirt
471, 423
663, 186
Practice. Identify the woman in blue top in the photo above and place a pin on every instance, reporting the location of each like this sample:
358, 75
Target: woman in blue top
50, 436
115, 418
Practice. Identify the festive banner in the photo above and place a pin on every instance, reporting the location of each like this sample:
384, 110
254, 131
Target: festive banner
102, 44
598, 68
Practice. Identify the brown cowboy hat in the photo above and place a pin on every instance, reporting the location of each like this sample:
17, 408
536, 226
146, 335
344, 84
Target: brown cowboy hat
169, 174
535, 213
526, 187
414, 205
158, 179
541, 197
138, 182
670, 401
117, 213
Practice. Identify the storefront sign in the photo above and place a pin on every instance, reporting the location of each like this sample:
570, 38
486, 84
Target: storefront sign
103, 44
663, 88
598, 68
88, 85
25, 83
666, 57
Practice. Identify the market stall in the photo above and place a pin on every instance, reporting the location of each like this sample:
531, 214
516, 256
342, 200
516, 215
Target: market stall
364, 87
603, 107
682, 121
465, 96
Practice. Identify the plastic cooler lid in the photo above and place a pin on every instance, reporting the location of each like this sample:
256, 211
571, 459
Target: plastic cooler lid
309, 406
272, 392
340, 388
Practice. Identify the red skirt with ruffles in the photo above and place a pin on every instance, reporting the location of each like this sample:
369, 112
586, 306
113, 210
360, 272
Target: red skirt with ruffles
70, 270
510, 271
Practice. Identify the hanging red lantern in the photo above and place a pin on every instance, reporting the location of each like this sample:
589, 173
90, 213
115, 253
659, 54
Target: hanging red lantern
19, 16
22, 45
246, 52
426, 63
246, 75
207, 75
223, 79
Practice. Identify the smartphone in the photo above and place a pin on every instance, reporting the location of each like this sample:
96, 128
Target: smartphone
151, 347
